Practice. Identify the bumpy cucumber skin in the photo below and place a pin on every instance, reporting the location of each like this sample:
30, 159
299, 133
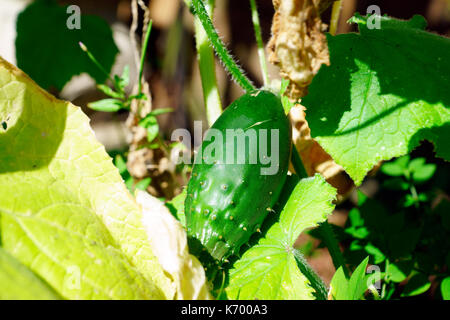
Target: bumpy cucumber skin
227, 203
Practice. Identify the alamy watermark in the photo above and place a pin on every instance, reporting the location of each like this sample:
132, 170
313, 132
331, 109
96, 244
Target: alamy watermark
374, 17
230, 146
74, 20
374, 280
72, 279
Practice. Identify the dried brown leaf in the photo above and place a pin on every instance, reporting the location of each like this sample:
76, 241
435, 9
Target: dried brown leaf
299, 47
298, 44
314, 158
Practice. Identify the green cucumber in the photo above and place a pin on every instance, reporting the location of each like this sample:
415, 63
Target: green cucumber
230, 195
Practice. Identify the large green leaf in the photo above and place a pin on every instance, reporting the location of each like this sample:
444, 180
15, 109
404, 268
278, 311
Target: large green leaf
48, 51
269, 270
385, 90
65, 212
18, 282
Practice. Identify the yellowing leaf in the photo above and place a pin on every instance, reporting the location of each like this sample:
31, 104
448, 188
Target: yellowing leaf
169, 242
65, 212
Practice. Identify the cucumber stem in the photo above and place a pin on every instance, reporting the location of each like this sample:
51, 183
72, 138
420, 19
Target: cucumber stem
95, 61
206, 62
143, 52
221, 51
333, 247
316, 282
259, 42
335, 13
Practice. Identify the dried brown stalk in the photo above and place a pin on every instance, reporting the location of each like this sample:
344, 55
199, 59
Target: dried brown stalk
143, 162
299, 47
298, 44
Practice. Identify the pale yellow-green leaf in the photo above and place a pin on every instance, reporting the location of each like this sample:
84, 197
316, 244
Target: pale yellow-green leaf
169, 242
65, 212
19, 283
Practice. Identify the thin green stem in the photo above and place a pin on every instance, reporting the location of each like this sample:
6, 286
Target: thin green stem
143, 53
335, 13
207, 65
259, 42
226, 58
316, 282
333, 247
174, 40
414, 194
374, 292
94, 60
297, 163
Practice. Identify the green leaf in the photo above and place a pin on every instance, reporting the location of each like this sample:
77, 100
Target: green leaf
396, 168
445, 288
120, 163
416, 22
418, 284
151, 124
416, 164
352, 289
399, 271
268, 270
421, 171
154, 146
285, 101
143, 184
357, 284
358, 232
48, 50
109, 92
19, 283
140, 96
377, 254
64, 211
176, 207
106, 105
355, 218
339, 285
381, 95
408, 201
357, 228
159, 111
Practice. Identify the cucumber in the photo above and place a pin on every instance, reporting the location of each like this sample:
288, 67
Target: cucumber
228, 198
